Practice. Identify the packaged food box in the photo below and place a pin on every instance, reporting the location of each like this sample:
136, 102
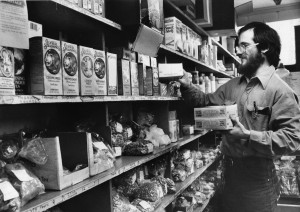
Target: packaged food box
163, 88
155, 86
112, 77
97, 7
216, 111
142, 78
153, 62
148, 82
45, 66
215, 123
86, 70
173, 33
21, 71
184, 39
173, 132
134, 78
170, 70
124, 87
145, 59
188, 129
100, 72
69, 55
7, 70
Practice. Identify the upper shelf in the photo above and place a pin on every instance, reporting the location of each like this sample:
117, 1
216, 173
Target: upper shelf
122, 164
32, 99
204, 67
225, 52
173, 10
67, 14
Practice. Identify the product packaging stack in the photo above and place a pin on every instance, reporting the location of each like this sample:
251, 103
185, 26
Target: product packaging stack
215, 117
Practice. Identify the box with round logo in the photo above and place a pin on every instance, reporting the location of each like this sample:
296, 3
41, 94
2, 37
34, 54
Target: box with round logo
45, 66
69, 57
86, 70
7, 85
100, 72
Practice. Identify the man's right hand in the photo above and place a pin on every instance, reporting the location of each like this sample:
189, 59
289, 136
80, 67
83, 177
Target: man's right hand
185, 80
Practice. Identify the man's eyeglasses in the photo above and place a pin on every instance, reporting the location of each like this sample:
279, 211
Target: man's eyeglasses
243, 47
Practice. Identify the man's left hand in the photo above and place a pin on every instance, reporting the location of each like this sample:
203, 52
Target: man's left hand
238, 131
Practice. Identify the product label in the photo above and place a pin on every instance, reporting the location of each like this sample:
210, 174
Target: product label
22, 175
8, 191
100, 145
144, 204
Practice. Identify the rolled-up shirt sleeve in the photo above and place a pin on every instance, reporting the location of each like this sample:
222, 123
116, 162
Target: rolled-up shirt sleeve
284, 135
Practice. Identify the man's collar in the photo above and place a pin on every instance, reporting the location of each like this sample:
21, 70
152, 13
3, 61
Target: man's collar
263, 75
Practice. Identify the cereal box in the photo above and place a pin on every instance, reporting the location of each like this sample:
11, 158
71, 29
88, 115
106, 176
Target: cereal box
45, 66
112, 80
21, 68
86, 70
124, 78
7, 85
173, 33
134, 79
69, 55
100, 72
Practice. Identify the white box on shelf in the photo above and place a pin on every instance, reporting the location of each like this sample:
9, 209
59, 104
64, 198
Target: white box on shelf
215, 123
34, 29
216, 111
64, 150
112, 80
173, 33
170, 70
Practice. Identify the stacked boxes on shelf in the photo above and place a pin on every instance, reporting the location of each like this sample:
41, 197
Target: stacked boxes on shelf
215, 117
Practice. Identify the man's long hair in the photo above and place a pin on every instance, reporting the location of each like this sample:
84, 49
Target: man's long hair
267, 38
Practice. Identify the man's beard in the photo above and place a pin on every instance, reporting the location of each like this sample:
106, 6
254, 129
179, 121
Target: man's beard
252, 64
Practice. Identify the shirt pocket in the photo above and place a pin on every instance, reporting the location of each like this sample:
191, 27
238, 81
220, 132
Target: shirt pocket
258, 116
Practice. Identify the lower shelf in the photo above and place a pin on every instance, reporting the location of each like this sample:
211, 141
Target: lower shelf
204, 205
181, 186
122, 164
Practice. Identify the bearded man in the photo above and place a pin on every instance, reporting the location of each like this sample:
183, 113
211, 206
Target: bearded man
268, 123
